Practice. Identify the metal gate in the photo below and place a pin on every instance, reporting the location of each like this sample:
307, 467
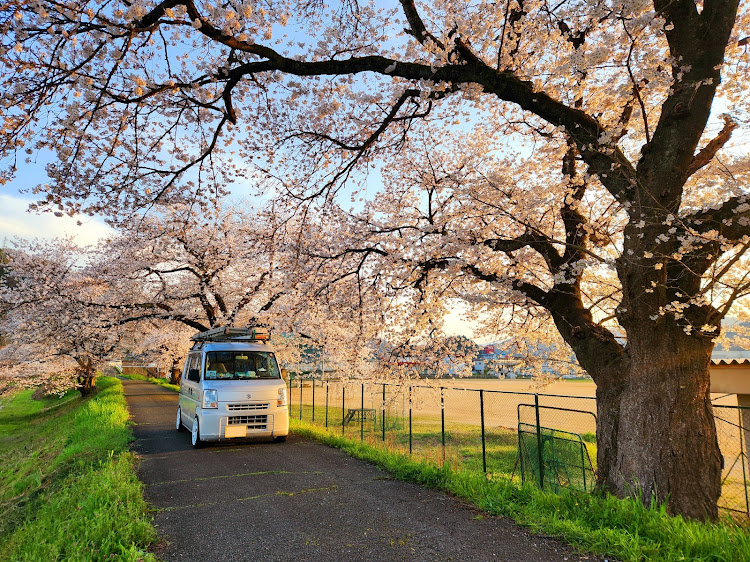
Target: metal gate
550, 457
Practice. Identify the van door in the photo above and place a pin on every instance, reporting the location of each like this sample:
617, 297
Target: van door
190, 388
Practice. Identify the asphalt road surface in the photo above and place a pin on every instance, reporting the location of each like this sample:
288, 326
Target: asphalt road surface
301, 500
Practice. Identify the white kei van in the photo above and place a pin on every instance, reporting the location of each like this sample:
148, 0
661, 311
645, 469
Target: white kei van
231, 386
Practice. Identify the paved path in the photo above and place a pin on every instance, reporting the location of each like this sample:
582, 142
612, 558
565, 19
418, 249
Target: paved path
300, 500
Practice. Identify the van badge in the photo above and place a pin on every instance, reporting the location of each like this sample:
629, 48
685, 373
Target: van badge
249, 396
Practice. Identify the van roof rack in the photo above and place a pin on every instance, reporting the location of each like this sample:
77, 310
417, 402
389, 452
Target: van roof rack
253, 333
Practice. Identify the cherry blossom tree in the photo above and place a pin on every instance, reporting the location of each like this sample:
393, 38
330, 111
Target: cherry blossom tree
4, 281
596, 150
201, 270
454, 223
181, 271
56, 338
155, 283
164, 343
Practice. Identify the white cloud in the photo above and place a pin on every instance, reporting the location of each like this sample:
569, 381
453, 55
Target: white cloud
15, 220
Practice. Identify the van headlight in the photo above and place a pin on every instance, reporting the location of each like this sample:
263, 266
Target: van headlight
210, 399
281, 401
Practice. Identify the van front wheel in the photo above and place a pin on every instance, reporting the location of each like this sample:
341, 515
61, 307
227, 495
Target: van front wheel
279, 439
195, 434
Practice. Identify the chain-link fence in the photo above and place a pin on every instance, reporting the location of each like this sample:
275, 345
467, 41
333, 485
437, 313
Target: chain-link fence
549, 439
733, 429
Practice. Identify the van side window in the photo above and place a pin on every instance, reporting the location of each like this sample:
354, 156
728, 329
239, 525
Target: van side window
192, 363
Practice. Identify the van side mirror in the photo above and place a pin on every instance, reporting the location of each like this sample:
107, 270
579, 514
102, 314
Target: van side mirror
194, 375
284, 374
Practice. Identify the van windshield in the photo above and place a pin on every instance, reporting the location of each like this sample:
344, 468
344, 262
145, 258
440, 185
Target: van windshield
241, 365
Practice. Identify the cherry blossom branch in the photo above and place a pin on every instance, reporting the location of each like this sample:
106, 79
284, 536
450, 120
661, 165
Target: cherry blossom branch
708, 152
417, 28
636, 86
533, 240
731, 220
615, 170
575, 231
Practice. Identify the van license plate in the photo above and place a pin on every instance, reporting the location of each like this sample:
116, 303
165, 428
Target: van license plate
235, 431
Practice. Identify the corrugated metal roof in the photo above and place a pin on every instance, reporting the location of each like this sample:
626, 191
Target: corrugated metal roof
730, 357
730, 360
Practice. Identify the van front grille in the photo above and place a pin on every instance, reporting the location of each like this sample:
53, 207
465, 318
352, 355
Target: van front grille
252, 422
245, 407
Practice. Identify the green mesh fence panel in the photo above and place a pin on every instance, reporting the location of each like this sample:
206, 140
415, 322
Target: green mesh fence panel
563, 463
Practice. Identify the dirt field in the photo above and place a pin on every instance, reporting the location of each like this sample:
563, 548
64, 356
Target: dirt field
564, 405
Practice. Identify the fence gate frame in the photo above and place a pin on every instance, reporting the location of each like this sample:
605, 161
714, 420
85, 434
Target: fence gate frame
550, 438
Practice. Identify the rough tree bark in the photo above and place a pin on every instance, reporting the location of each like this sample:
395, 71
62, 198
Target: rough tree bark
174, 374
85, 376
656, 434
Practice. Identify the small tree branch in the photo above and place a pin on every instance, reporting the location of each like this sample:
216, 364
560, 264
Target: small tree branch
731, 220
417, 28
536, 241
708, 152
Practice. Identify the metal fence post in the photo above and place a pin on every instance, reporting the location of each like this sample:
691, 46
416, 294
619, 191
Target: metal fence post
410, 443
583, 466
343, 410
382, 418
744, 458
481, 415
301, 385
442, 419
326, 403
403, 409
289, 394
539, 443
521, 449
362, 415
313, 401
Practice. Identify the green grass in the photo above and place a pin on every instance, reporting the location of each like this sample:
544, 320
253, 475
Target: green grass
154, 380
625, 529
463, 443
68, 489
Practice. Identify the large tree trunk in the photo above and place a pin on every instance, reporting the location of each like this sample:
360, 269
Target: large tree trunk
174, 374
86, 381
656, 433
85, 375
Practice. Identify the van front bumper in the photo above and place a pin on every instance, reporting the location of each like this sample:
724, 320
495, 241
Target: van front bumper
216, 424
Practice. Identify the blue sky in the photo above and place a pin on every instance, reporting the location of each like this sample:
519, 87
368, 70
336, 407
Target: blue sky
16, 221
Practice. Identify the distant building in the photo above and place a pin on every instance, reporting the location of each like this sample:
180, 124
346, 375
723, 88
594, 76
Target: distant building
492, 361
495, 361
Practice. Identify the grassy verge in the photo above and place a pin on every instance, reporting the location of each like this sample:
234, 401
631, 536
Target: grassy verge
68, 487
463, 445
153, 380
624, 529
